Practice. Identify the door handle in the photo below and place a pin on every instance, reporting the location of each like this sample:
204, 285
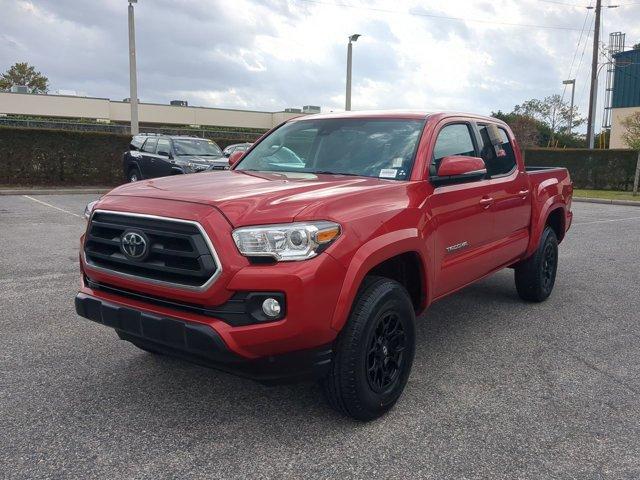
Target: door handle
523, 193
486, 202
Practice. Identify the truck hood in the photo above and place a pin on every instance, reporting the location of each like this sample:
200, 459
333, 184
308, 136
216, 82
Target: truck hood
250, 198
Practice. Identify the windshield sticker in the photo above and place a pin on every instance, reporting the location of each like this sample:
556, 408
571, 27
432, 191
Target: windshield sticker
388, 173
397, 162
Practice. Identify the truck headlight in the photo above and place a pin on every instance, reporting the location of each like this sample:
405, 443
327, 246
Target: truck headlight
88, 209
286, 242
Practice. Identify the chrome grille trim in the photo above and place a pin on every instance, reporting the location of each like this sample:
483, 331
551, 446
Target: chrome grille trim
152, 281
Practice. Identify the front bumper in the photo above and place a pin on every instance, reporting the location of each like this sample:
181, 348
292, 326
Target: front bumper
201, 344
311, 289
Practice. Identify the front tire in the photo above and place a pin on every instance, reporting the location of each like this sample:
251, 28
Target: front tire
536, 276
134, 175
374, 352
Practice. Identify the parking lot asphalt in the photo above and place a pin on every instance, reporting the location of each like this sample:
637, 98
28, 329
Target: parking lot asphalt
500, 388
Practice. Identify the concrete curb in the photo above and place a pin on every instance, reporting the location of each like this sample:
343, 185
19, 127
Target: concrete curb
629, 203
53, 191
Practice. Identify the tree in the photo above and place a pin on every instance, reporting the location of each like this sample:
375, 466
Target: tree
24, 74
553, 111
525, 128
631, 136
535, 133
636, 46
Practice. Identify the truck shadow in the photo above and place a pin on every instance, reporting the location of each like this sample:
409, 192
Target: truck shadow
165, 388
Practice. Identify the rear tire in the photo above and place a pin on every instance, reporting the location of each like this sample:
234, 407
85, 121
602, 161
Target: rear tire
536, 276
374, 352
134, 175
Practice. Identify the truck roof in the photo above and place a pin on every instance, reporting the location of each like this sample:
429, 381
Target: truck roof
398, 114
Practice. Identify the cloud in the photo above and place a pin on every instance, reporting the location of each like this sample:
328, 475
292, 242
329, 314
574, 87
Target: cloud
272, 54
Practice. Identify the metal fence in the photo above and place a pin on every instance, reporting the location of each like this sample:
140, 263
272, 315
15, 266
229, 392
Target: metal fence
125, 129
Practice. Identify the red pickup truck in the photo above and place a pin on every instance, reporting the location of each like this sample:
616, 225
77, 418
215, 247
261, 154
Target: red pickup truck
312, 257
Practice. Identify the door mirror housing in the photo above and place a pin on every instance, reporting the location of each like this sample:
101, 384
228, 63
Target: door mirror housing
458, 169
235, 158
164, 154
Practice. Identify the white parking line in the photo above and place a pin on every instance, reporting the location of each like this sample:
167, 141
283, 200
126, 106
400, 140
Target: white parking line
607, 221
52, 206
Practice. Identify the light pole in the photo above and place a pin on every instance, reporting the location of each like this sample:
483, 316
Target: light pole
133, 78
352, 38
573, 91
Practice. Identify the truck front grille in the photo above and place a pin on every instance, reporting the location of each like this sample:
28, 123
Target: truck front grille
176, 252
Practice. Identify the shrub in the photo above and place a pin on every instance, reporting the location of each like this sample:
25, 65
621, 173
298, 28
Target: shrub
595, 169
57, 157
41, 157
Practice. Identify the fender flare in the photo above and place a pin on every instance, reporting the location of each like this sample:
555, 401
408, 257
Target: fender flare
551, 205
369, 255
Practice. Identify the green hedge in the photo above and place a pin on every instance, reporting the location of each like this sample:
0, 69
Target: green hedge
592, 169
59, 157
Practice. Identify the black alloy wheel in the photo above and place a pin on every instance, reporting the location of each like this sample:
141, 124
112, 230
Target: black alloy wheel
386, 353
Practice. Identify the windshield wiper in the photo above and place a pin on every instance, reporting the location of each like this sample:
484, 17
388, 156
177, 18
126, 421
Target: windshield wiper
326, 172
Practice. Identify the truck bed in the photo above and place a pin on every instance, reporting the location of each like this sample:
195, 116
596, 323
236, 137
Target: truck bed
547, 182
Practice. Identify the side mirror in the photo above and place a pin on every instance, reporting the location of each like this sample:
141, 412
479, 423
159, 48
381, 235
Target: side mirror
164, 154
235, 158
459, 168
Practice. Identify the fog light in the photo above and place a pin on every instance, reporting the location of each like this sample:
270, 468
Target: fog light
271, 307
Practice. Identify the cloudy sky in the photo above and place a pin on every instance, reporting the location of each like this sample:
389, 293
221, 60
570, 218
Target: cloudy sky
471, 55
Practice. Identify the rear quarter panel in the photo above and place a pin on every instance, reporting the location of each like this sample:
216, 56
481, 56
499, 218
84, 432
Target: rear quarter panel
551, 189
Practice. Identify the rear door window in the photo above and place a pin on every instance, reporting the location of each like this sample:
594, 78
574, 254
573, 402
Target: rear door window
498, 155
150, 145
164, 146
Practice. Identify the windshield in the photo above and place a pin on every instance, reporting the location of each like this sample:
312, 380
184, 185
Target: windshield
196, 146
381, 148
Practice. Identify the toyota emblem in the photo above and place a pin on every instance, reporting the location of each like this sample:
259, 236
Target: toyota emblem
134, 245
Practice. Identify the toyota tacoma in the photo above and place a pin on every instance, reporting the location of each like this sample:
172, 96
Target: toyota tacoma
312, 257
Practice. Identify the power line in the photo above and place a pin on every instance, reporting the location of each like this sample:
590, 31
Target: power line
584, 49
575, 53
585, 6
562, 3
584, 85
443, 17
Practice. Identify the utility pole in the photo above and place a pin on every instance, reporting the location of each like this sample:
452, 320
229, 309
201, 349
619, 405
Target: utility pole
593, 97
573, 91
352, 38
133, 77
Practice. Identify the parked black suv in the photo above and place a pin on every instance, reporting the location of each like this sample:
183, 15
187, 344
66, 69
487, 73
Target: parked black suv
153, 155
